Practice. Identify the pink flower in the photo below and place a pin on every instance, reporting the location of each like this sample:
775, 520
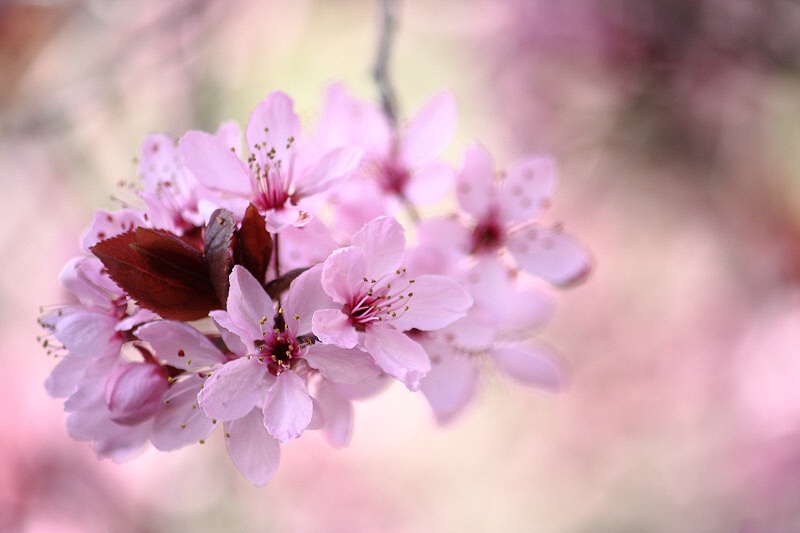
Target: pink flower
279, 357
400, 165
504, 217
278, 173
376, 302
120, 404
496, 329
89, 330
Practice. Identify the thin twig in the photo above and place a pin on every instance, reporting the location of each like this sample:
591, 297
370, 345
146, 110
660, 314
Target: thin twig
381, 70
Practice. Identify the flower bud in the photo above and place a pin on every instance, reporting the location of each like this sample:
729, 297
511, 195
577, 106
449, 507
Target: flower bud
134, 392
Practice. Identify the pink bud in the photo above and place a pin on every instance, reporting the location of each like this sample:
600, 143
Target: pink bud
134, 392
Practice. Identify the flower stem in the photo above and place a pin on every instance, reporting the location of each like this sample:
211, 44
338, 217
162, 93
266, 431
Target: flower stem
381, 70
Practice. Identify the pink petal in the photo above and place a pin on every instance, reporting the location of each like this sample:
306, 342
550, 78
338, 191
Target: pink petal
363, 389
490, 283
134, 392
384, 245
348, 120
248, 305
341, 365
308, 245
333, 167
86, 332
214, 165
304, 297
89, 418
430, 183
232, 341
475, 183
446, 234
451, 383
338, 414
528, 310
287, 407
397, 355
233, 389
252, 449
500, 303
230, 135
274, 126
436, 302
74, 279
180, 421
429, 131
67, 374
527, 188
332, 326
317, 418
350, 211
106, 225
343, 273
180, 345
531, 364
159, 161
288, 215
550, 254
476, 331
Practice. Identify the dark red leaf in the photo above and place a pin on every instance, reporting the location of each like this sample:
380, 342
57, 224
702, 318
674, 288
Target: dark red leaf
217, 250
278, 286
161, 272
253, 246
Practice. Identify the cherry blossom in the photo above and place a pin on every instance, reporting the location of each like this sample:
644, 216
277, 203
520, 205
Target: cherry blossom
280, 357
277, 174
397, 165
239, 295
502, 215
376, 301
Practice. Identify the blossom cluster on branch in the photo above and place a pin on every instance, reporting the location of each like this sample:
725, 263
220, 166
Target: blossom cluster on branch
266, 288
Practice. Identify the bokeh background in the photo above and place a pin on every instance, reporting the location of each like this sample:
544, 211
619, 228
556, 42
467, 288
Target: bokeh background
677, 130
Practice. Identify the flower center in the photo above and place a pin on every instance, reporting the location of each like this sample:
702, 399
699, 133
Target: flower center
280, 349
488, 236
379, 300
272, 182
393, 177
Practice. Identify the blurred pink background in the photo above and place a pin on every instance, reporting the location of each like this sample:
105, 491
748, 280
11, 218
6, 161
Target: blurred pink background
677, 129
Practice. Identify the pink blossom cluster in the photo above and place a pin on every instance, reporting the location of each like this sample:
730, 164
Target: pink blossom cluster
266, 289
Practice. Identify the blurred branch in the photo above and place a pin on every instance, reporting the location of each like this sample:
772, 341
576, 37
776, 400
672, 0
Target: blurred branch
381, 70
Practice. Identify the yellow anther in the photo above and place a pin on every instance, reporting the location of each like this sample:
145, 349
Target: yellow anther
183, 426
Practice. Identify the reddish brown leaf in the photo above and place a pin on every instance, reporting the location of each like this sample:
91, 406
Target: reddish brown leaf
217, 250
161, 272
253, 246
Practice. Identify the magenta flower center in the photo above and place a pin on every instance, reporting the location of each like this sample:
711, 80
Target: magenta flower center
280, 349
393, 177
379, 300
272, 182
489, 235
